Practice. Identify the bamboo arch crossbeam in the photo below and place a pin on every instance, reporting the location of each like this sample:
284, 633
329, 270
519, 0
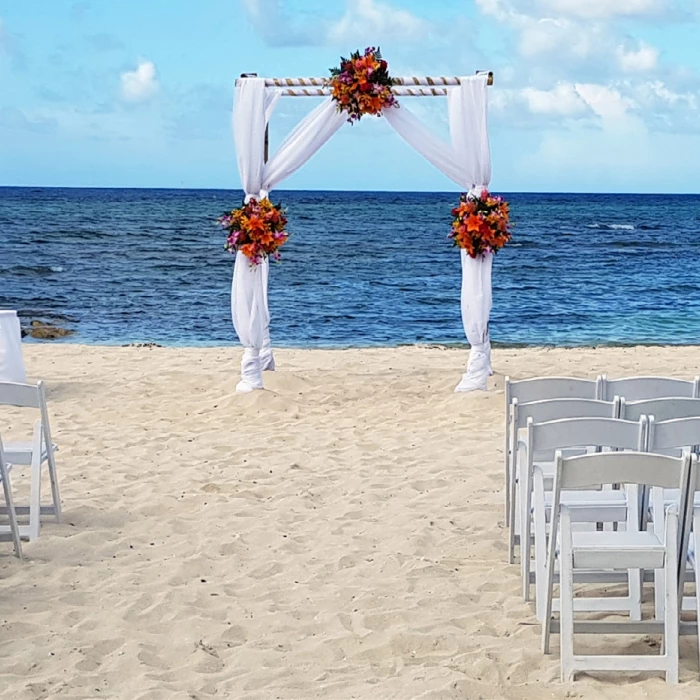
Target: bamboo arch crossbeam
411, 86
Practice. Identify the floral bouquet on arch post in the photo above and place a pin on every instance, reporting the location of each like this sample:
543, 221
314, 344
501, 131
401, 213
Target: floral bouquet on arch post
257, 229
362, 84
481, 223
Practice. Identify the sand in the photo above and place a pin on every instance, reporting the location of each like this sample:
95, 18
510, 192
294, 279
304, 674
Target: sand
339, 535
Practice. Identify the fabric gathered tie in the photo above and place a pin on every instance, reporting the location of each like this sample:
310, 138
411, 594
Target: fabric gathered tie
251, 378
261, 195
480, 359
267, 359
478, 369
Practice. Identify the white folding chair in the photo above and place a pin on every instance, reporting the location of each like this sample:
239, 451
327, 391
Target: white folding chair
11, 532
640, 388
671, 438
539, 389
692, 557
662, 409
541, 412
34, 454
617, 550
592, 507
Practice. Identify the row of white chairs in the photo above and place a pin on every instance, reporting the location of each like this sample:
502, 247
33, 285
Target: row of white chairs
631, 390
37, 454
539, 427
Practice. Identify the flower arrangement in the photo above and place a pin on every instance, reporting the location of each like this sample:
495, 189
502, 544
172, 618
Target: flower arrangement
481, 224
362, 84
257, 229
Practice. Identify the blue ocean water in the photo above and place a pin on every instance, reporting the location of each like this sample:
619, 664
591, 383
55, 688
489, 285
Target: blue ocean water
361, 268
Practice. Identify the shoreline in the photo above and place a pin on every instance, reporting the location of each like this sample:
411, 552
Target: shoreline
496, 345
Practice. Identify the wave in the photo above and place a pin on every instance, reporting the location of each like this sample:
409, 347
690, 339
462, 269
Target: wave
613, 227
35, 270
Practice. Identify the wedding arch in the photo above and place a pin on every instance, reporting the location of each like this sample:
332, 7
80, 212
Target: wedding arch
466, 161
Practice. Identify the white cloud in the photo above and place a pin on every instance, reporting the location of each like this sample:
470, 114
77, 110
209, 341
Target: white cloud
362, 21
642, 60
365, 18
605, 101
560, 36
276, 27
140, 84
604, 9
563, 100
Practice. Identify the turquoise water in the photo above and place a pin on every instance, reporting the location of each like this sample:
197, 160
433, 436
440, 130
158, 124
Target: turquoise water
361, 269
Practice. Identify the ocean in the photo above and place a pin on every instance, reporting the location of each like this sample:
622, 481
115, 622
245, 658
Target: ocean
361, 268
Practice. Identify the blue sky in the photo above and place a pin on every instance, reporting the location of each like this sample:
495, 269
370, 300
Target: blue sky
590, 95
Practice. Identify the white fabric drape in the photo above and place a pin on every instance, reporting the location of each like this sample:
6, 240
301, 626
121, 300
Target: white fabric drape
253, 107
467, 161
11, 361
476, 308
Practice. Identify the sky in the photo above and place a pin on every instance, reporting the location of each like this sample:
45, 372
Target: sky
589, 95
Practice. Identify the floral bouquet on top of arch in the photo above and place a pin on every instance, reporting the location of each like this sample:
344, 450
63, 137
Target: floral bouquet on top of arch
362, 84
257, 229
481, 223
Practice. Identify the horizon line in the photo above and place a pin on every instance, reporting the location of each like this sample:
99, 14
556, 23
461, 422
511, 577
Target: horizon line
239, 189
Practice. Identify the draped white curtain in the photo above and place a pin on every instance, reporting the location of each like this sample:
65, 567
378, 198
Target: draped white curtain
11, 361
467, 161
254, 105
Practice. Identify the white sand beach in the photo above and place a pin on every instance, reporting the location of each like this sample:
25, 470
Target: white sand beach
337, 536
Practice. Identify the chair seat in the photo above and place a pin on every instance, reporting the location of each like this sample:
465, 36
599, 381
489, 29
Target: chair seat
21, 452
591, 506
618, 550
573, 499
672, 497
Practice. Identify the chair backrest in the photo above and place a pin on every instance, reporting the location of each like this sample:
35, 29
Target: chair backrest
21, 395
543, 388
640, 388
673, 434
557, 409
28, 396
587, 432
661, 409
643, 468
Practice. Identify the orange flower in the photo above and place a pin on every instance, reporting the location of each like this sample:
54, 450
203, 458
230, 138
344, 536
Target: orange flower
474, 222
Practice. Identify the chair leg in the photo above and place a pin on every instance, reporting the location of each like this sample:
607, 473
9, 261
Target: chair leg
507, 468
696, 569
513, 509
566, 602
55, 493
659, 594
511, 535
634, 588
672, 616
12, 516
525, 532
549, 594
540, 527
35, 497
635, 577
